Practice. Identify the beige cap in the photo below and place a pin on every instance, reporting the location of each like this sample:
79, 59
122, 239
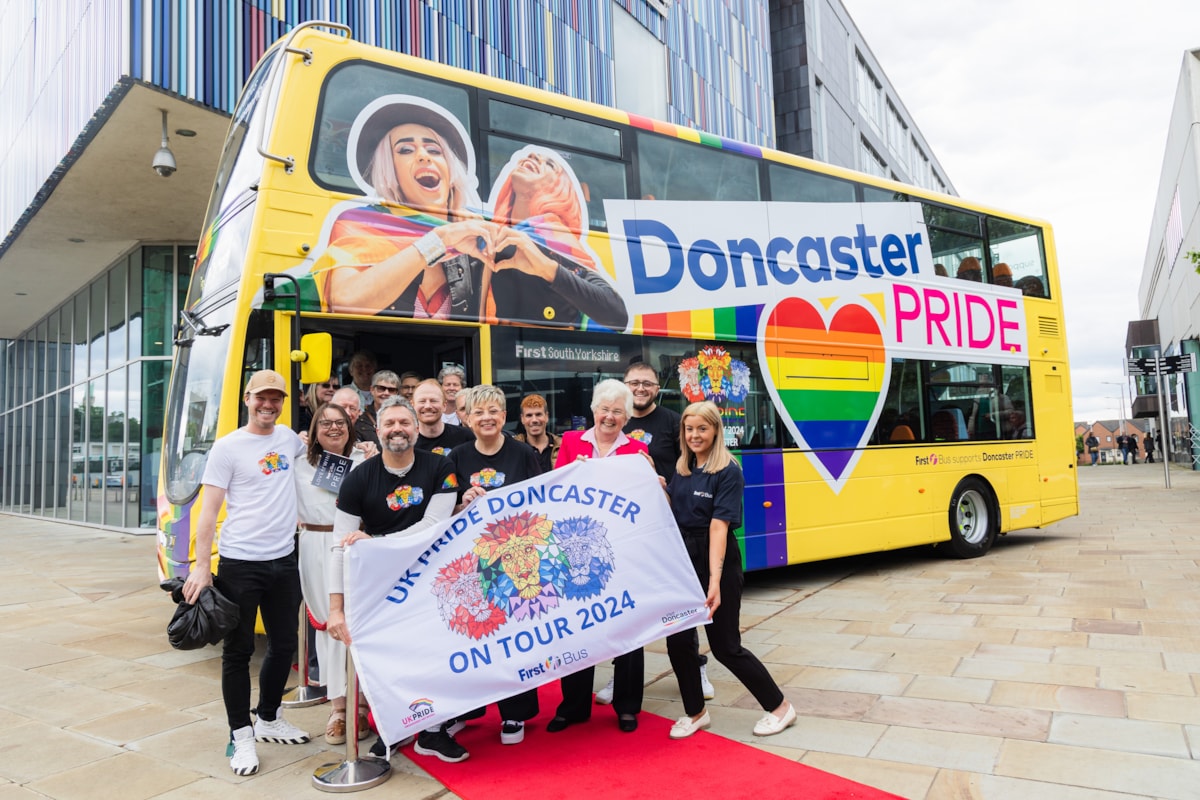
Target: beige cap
266, 379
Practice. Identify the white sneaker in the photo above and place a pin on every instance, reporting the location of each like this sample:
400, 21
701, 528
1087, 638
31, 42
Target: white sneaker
278, 730
512, 732
685, 726
245, 755
770, 724
705, 684
604, 696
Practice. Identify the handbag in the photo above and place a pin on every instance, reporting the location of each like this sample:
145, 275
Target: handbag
205, 622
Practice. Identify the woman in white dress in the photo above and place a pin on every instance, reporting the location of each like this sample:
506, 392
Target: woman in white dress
331, 431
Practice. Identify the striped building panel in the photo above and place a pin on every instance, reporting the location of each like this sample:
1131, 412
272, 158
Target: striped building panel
65, 57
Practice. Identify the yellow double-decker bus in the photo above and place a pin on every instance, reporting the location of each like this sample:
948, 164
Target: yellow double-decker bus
890, 362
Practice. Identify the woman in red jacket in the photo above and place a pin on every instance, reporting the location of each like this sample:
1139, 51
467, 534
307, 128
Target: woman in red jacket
612, 405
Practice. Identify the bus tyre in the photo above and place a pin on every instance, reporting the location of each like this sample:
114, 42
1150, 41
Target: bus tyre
974, 519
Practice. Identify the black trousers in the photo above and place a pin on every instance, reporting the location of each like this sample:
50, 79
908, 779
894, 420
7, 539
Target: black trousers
724, 638
628, 678
271, 588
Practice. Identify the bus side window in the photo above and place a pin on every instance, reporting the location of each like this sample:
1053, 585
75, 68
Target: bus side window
671, 169
1020, 250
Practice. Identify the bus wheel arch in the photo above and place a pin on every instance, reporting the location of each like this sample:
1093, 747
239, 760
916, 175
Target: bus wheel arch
974, 518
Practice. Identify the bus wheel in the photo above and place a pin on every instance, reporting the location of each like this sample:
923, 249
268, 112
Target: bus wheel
973, 519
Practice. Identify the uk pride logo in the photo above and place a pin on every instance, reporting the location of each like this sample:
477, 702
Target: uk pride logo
273, 462
488, 478
827, 372
405, 497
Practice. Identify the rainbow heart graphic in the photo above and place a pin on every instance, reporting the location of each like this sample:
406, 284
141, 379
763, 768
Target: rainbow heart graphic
827, 371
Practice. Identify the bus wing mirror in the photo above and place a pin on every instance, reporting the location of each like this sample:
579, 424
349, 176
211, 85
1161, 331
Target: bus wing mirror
315, 357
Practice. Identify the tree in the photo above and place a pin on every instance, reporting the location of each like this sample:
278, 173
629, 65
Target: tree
1194, 255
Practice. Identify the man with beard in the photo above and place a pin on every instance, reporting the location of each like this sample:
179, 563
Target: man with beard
434, 435
401, 492
491, 461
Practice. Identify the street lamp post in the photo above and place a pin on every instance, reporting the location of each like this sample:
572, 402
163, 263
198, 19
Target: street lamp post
1122, 400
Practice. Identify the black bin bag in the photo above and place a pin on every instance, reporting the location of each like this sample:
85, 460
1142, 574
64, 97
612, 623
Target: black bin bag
200, 624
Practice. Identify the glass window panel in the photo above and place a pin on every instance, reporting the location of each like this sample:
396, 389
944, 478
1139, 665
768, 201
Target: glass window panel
97, 334
671, 169
1018, 247
62, 465
9, 450
347, 91
872, 194
53, 378
186, 258
147, 400
79, 412
118, 325
531, 123
41, 361
136, 310
116, 454
79, 338
902, 417
801, 186
38, 464
599, 178
156, 300
95, 462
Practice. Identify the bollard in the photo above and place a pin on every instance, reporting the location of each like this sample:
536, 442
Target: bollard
353, 774
304, 695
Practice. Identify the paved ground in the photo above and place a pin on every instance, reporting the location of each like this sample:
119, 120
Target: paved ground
1063, 666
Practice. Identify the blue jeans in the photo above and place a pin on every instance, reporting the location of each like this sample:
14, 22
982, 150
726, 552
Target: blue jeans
272, 588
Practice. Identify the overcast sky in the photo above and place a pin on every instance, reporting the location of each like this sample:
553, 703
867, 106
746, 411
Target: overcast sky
1057, 109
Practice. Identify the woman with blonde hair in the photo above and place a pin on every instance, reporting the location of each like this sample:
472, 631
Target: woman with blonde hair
542, 272
415, 159
706, 499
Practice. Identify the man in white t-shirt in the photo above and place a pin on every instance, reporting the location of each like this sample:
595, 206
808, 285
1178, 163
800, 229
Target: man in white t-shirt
251, 472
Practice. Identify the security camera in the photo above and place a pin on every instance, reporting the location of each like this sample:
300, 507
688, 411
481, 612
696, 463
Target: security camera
164, 162
164, 159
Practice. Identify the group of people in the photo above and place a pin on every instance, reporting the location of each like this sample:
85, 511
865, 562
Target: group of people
263, 473
1128, 445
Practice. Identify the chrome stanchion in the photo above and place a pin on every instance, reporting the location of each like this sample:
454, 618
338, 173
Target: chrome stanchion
354, 773
304, 695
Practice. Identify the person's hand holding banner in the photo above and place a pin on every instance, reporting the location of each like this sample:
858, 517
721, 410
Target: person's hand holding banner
529, 583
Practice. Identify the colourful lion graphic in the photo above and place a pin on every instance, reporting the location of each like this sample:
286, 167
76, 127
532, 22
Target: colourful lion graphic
461, 600
273, 462
488, 478
523, 571
584, 542
714, 375
405, 497
640, 435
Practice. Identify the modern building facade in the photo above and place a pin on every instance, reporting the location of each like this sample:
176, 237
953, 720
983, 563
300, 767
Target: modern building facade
1169, 291
833, 102
96, 246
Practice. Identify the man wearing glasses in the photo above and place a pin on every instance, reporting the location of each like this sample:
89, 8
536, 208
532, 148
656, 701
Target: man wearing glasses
652, 424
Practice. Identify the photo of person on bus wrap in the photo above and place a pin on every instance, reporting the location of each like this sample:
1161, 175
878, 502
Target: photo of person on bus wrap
423, 246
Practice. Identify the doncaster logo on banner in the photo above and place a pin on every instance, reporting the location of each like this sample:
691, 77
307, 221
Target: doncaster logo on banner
531, 582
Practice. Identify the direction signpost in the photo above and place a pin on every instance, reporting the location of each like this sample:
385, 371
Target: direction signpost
1157, 367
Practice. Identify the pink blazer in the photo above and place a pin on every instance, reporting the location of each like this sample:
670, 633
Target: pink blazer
573, 445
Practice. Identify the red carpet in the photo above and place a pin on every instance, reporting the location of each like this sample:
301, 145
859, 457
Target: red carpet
596, 761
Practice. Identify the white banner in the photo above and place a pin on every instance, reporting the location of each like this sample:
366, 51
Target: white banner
531, 582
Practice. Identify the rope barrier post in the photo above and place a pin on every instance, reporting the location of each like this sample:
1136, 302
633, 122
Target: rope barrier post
304, 695
353, 774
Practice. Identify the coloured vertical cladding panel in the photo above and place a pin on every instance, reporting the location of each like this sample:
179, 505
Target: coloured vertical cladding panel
764, 527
